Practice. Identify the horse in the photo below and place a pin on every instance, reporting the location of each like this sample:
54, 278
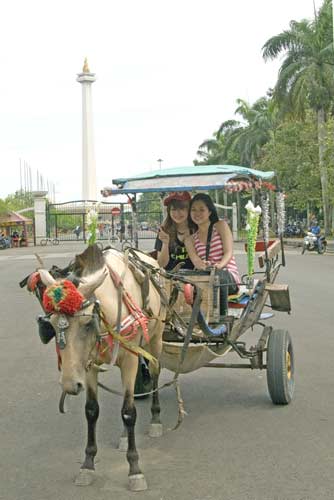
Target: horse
83, 309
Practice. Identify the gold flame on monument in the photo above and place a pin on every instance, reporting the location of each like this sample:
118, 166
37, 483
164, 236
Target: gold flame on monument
85, 68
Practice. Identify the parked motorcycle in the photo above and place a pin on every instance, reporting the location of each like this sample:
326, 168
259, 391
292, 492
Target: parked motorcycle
4, 243
314, 243
294, 230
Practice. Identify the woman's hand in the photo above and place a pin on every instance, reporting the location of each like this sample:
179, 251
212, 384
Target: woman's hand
220, 266
163, 237
203, 265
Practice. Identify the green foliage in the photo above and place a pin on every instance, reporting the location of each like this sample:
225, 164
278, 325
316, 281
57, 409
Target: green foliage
291, 130
305, 79
17, 201
3, 206
293, 154
149, 208
329, 157
240, 143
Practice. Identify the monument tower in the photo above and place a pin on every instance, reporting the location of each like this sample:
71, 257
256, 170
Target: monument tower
86, 78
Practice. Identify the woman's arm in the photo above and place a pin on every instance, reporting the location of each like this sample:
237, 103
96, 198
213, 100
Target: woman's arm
163, 254
195, 259
227, 240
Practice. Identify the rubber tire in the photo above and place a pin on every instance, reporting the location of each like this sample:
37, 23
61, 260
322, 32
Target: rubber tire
55, 241
43, 242
304, 249
280, 386
322, 250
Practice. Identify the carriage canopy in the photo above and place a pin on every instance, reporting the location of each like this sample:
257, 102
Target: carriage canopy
199, 178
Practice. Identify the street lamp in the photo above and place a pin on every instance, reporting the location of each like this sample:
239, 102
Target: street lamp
160, 161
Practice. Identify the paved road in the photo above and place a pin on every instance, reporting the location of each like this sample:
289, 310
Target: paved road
233, 445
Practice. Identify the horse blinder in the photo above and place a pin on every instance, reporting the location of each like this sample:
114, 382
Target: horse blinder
47, 331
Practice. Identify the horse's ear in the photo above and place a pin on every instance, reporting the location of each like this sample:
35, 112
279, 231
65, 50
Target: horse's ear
88, 285
79, 264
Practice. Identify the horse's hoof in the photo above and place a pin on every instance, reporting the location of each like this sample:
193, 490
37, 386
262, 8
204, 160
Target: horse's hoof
123, 444
155, 430
85, 477
137, 482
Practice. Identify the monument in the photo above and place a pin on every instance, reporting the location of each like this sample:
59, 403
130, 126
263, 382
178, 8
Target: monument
86, 78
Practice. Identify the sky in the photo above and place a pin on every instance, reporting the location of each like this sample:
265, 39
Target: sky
168, 73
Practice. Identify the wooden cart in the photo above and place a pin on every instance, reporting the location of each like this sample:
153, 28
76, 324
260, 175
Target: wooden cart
195, 335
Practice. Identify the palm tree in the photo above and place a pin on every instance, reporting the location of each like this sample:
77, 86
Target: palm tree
210, 152
248, 137
240, 142
305, 78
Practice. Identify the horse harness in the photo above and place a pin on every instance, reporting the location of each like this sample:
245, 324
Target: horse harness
124, 331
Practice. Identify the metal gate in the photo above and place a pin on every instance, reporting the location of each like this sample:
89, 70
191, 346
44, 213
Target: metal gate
116, 221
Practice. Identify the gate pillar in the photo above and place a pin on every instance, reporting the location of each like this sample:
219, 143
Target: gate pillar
39, 215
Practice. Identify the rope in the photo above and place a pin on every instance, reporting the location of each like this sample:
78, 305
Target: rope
119, 393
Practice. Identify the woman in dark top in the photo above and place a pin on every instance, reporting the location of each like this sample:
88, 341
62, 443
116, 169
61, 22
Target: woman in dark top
174, 230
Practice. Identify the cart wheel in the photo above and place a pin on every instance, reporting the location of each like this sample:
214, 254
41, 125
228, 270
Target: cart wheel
55, 241
43, 242
280, 367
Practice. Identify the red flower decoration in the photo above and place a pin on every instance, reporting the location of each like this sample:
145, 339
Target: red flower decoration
62, 297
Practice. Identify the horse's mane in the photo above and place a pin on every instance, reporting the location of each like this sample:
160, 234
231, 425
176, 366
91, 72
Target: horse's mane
89, 261
93, 259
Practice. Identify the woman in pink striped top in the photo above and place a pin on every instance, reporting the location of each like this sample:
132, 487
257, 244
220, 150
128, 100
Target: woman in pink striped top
219, 252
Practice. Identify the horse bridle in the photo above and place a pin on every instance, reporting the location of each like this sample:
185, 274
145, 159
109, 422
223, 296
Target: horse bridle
63, 322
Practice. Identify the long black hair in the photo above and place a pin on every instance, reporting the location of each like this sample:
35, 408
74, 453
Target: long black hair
205, 198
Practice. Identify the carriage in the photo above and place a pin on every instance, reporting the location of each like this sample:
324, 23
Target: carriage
196, 334
117, 307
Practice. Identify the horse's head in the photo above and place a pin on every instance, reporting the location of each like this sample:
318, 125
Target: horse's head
75, 319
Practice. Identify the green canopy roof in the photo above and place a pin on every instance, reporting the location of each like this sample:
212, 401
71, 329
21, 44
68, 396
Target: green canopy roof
197, 170
203, 177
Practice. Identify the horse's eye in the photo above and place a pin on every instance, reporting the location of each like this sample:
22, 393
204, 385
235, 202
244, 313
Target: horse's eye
89, 326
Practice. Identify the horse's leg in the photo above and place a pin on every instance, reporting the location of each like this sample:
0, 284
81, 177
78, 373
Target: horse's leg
129, 368
123, 441
155, 429
87, 470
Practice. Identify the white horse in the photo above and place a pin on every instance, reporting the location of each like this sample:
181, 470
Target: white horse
83, 342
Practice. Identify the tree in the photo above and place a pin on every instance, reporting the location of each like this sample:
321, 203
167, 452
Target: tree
213, 151
293, 155
248, 137
305, 79
240, 142
149, 208
3, 206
